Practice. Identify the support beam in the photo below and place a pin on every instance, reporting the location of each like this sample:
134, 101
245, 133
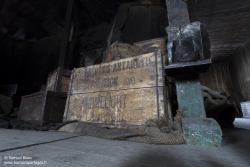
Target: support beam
177, 13
65, 40
190, 95
197, 129
177, 17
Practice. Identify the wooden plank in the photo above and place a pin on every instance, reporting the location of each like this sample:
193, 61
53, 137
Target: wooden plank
120, 50
64, 45
177, 13
65, 84
42, 108
245, 106
202, 132
128, 73
189, 95
133, 106
53, 80
116, 93
152, 45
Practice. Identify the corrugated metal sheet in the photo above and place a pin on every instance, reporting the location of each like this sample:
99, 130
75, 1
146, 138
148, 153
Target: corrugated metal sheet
214, 80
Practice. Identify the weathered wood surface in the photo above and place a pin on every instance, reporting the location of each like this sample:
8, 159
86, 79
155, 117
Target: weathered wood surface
129, 90
152, 45
131, 73
65, 84
177, 13
214, 79
31, 108
189, 95
120, 50
42, 108
202, 132
53, 81
240, 72
135, 105
245, 106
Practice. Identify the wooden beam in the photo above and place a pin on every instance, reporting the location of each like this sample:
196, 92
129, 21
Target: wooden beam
177, 13
65, 39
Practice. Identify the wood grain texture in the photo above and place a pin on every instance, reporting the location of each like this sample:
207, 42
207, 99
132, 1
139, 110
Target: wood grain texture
152, 45
214, 79
189, 95
52, 81
102, 93
128, 73
120, 50
227, 22
42, 108
240, 71
134, 106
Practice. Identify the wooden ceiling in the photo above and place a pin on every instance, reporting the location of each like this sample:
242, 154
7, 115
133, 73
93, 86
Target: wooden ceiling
227, 21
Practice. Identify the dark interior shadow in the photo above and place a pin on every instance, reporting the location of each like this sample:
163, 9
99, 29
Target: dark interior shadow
156, 158
238, 141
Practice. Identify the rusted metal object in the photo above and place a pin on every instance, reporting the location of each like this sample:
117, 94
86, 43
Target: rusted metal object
177, 17
129, 91
43, 108
183, 51
120, 50
191, 40
53, 81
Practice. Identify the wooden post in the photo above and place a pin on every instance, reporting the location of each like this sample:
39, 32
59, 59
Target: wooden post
65, 38
188, 88
177, 13
197, 129
177, 18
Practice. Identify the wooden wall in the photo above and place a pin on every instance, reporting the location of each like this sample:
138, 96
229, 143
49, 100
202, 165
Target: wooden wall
232, 77
214, 79
239, 67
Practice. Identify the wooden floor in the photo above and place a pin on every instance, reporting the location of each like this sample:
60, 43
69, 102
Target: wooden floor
60, 149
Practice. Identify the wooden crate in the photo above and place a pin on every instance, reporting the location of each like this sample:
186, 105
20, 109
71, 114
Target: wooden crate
43, 108
129, 91
53, 80
152, 45
120, 50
